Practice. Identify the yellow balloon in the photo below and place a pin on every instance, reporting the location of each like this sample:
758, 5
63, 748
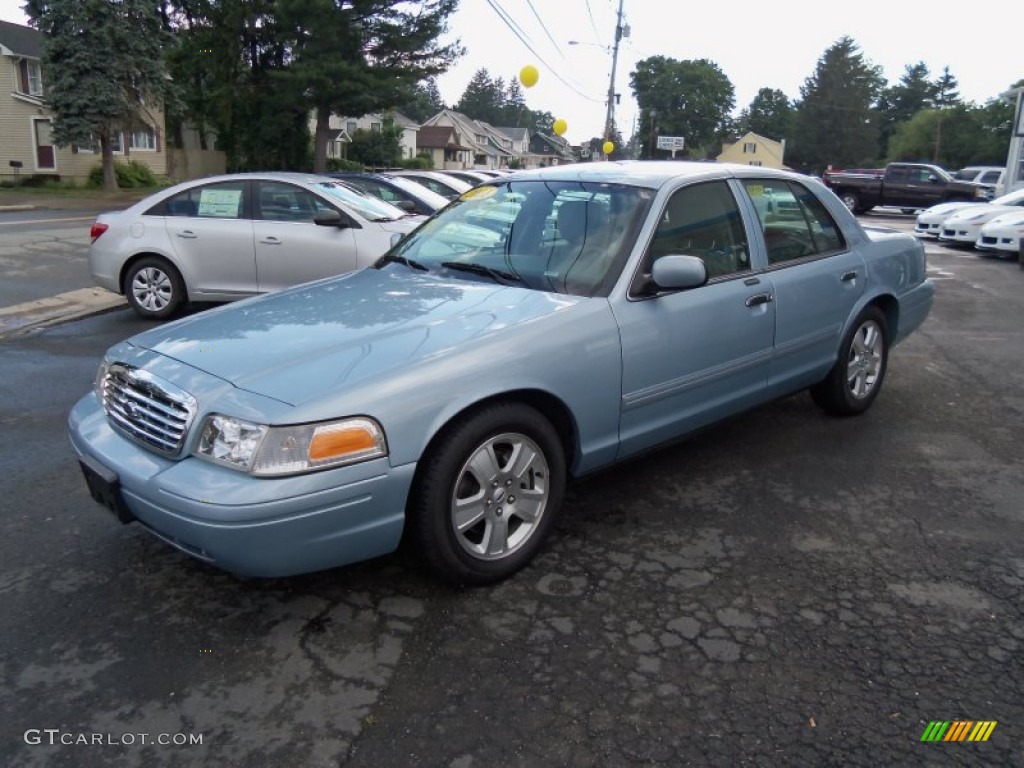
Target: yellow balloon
607, 147
528, 76
560, 127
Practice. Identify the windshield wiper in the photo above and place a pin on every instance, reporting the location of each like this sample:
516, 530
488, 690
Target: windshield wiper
497, 275
402, 260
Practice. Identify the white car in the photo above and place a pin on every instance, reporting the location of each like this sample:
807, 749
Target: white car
1003, 233
929, 221
226, 237
992, 177
963, 226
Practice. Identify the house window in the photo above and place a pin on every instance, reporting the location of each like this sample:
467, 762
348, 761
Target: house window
754, 162
144, 138
351, 127
374, 127
116, 143
749, 148
35, 78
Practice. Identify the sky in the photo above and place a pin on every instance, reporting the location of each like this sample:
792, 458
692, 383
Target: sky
756, 44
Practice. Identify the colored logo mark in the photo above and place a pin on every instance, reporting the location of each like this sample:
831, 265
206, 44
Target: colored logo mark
958, 730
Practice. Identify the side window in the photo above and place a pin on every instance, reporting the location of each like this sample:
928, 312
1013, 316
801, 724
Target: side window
896, 176
213, 201
703, 220
279, 201
795, 223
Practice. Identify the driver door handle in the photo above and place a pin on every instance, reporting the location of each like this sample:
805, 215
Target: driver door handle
188, 234
270, 240
848, 277
759, 298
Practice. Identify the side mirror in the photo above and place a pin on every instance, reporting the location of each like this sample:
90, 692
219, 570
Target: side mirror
396, 238
932, 178
330, 219
677, 272
406, 205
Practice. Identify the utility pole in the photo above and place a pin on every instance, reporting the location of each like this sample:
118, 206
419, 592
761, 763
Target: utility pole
609, 120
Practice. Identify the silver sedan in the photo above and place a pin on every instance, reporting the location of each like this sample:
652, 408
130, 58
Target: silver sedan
227, 237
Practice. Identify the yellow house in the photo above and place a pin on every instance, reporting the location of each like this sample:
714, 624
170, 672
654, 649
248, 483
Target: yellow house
754, 149
26, 123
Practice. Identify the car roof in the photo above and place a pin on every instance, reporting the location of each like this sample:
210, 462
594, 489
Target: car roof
644, 173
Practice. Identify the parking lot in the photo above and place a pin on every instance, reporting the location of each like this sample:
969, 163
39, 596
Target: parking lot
785, 589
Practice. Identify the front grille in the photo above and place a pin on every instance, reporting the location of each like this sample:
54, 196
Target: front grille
147, 409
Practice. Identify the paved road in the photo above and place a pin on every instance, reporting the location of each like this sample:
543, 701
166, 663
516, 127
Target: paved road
786, 589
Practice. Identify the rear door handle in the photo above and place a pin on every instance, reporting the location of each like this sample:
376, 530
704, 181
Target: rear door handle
188, 234
271, 240
848, 277
758, 299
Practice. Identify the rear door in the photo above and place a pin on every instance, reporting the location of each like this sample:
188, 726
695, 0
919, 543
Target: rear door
817, 280
211, 231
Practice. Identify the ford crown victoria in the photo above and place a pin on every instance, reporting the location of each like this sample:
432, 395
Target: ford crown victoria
543, 326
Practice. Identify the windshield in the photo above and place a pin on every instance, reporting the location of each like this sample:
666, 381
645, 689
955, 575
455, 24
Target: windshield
565, 237
368, 207
1012, 198
435, 200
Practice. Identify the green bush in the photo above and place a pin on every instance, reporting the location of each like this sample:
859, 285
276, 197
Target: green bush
129, 175
336, 165
419, 163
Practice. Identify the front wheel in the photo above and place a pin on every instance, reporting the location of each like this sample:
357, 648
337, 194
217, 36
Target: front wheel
154, 288
486, 494
854, 381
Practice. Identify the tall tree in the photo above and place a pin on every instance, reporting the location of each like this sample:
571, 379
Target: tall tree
484, 98
947, 94
354, 57
971, 135
897, 104
835, 124
104, 67
691, 98
770, 114
423, 101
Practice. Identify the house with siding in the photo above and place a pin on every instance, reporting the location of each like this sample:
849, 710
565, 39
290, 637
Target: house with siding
754, 149
343, 128
26, 122
488, 147
548, 149
441, 144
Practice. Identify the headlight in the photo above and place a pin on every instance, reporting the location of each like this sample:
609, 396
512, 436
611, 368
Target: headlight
101, 377
271, 451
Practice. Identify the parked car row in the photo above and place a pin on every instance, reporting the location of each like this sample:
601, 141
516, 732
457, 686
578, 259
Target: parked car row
996, 226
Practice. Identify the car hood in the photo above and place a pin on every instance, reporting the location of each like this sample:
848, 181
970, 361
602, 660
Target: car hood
1006, 220
300, 343
944, 209
981, 210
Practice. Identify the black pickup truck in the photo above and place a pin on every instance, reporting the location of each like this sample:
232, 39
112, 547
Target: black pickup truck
908, 186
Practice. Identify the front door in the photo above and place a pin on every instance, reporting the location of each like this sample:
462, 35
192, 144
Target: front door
694, 356
45, 158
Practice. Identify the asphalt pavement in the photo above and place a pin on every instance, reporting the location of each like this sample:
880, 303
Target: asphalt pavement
784, 589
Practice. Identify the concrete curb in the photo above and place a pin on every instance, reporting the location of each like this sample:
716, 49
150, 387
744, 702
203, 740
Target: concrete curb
15, 208
55, 310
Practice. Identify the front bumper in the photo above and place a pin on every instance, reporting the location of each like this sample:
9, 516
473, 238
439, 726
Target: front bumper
246, 525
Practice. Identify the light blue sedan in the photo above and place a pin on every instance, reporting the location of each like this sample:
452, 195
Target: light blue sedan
543, 326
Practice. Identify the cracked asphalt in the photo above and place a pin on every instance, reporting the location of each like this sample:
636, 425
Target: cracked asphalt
783, 589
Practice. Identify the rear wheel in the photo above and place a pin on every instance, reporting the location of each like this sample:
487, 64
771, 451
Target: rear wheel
855, 380
486, 494
852, 201
154, 288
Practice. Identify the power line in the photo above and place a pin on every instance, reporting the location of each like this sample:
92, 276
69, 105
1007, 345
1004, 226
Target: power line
516, 30
593, 24
546, 32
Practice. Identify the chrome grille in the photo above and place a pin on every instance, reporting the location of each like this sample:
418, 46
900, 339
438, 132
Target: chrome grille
147, 409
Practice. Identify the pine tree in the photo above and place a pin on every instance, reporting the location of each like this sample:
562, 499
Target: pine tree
104, 70
835, 124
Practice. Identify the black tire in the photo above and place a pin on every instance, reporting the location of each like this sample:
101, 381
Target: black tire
498, 509
855, 380
851, 200
154, 288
